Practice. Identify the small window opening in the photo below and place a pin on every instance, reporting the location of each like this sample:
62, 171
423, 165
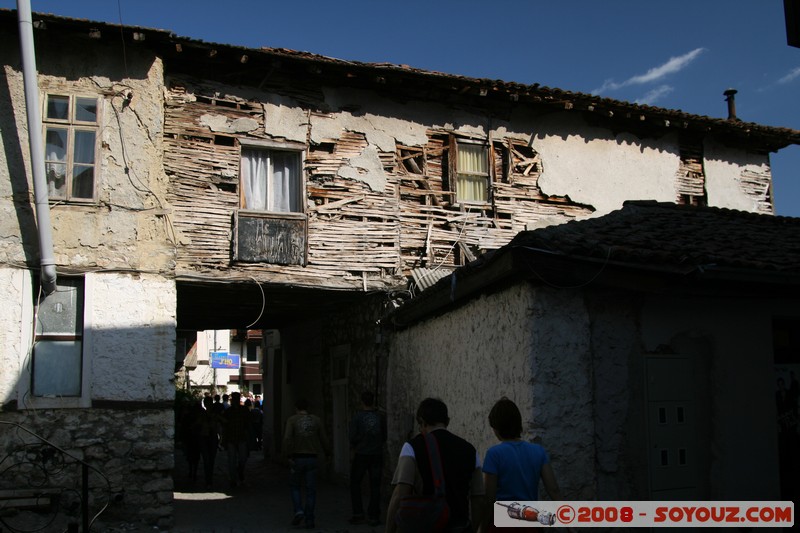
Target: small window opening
224, 140
412, 160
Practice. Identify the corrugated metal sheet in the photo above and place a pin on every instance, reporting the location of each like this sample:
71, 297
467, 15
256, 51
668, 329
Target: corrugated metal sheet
426, 277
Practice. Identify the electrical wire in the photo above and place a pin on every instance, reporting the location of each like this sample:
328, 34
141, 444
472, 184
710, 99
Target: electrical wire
263, 303
122, 38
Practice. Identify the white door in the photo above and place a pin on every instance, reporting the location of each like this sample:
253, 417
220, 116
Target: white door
672, 428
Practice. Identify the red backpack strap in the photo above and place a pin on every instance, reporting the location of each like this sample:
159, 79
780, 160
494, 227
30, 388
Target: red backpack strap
435, 462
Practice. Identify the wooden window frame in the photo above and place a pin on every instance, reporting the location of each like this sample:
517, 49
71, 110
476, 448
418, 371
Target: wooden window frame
454, 171
73, 125
275, 146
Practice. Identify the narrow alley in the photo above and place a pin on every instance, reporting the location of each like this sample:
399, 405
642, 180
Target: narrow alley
263, 505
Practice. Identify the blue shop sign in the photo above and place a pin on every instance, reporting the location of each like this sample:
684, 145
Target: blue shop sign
225, 360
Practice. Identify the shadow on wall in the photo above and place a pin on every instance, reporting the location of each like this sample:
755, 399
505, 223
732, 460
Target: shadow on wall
125, 440
21, 194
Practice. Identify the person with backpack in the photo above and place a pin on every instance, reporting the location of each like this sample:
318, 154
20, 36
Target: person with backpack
367, 439
304, 442
436, 462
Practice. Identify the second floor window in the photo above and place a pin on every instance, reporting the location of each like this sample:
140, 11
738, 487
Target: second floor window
472, 173
272, 180
70, 146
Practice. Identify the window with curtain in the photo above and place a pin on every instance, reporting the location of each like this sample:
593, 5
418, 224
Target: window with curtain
272, 180
70, 137
472, 173
57, 358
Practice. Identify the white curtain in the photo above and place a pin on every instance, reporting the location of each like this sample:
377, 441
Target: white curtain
473, 173
255, 165
285, 197
271, 180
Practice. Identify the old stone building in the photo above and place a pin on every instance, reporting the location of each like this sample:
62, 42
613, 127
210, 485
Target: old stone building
642, 346
197, 186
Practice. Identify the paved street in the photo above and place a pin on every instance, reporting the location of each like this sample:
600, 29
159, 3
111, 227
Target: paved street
263, 505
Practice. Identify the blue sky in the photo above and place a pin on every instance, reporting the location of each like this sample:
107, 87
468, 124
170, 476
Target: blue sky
677, 54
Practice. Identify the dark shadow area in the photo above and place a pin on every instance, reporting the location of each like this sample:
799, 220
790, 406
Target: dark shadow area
21, 194
262, 504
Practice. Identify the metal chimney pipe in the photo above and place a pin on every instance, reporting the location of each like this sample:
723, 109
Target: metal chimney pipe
731, 99
30, 77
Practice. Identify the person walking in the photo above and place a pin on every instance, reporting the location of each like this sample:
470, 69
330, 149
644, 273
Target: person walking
190, 430
513, 468
367, 439
461, 469
210, 424
303, 442
236, 438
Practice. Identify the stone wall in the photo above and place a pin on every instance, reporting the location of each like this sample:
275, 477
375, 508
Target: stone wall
130, 453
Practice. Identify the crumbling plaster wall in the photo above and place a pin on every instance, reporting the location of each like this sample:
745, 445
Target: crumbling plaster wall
596, 167
590, 165
737, 179
131, 227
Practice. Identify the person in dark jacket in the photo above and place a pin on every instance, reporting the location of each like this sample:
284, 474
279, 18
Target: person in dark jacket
236, 438
304, 442
367, 440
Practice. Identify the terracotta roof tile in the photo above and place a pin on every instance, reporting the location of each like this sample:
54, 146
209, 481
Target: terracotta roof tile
665, 234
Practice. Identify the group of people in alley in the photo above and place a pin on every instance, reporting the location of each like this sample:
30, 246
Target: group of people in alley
226, 422
509, 471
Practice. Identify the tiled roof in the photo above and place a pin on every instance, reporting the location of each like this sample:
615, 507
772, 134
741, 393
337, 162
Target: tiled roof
413, 80
670, 235
646, 245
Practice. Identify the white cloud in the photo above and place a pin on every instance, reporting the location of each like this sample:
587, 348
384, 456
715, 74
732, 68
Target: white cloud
791, 76
673, 65
654, 95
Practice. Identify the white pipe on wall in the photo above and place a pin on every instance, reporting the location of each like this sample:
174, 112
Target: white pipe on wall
30, 77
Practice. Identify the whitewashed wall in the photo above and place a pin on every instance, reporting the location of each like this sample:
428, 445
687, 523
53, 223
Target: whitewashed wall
468, 358
562, 409
11, 316
133, 340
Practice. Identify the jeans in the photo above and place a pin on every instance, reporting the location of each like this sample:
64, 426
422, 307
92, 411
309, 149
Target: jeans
303, 471
208, 451
361, 465
237, 457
